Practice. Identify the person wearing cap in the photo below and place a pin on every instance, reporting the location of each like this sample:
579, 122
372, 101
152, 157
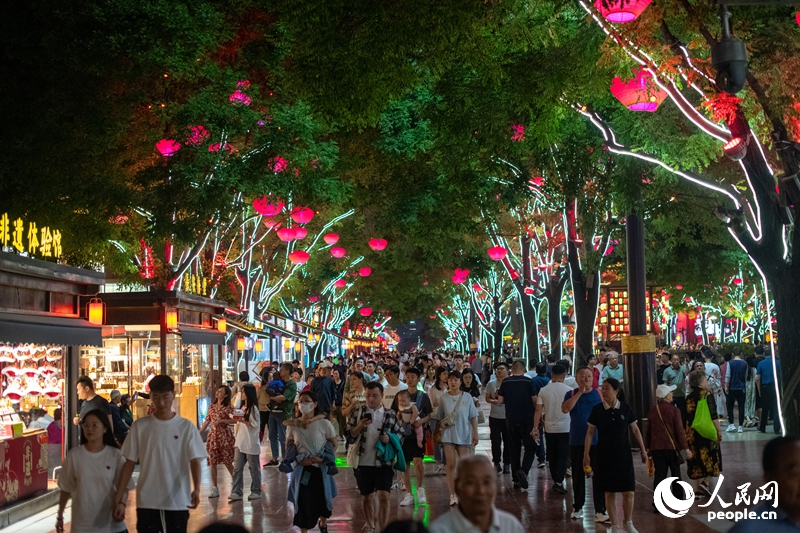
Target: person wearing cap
120, 427
325, 388
664, 437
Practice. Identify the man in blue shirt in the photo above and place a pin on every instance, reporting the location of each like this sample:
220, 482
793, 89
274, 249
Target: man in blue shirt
579, 404
765, 381
735, 382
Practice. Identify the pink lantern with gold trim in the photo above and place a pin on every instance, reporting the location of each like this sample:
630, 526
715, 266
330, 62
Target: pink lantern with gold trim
621, 11
639, 93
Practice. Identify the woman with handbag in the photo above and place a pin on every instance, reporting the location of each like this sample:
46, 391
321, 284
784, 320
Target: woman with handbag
458, 426
702, 422
665, 439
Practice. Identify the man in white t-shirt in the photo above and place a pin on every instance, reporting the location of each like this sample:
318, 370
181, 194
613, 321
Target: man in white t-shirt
556, 426
169, 452
394, 386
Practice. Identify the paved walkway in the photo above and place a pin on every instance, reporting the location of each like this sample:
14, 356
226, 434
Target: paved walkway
539, 508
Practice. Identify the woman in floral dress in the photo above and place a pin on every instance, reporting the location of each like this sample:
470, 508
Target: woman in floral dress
706, 461
220, 441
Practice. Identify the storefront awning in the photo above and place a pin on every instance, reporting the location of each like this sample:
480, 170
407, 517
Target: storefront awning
201, 336
16, 328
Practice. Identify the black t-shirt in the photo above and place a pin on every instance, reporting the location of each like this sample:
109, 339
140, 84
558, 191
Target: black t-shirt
660, 374
518, 393
423, 404
98, 402
612, 426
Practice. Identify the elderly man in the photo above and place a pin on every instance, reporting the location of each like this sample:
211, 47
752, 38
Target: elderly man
476, 489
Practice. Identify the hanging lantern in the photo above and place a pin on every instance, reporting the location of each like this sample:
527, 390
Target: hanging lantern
365, 311
365, 272
338, 252
529, 290
621, 11
172, 319
330, 238
300, 233
461, 272
313, 299
259, 346
302, 215
458, 280
340, 284
267, 207
497, 253
678, 287
639, 93
287, 234
543, 266
377, 244
197, 135
222, 325
477, 287
737, 281
95, 311
287, 343
299, 257
168, 147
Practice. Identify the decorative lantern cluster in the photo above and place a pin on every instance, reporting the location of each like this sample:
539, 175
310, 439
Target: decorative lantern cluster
639, 93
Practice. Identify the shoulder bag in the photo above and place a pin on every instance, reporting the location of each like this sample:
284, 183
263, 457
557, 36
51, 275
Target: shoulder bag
354, 452
447, 422
680, 454
702, 423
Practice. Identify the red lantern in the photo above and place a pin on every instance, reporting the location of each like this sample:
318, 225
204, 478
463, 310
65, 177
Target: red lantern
313, 299
338, 252
737, 281
265, 206
621, 11
537, 181
543, 266
528, 290
299, 257
458, 280
168, 147
377, 244
197, 135
365, 272
461, 272
331, 238
365, 311
95, 311
497, 253
300, 233
286, 234
678, 287
639, 93
302, 215
477, 287
340, 284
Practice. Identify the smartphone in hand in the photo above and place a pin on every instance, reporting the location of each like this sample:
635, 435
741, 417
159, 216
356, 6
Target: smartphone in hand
367, 416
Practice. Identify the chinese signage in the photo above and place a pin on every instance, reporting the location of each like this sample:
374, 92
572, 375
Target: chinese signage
614, 311
26, 237
195, 284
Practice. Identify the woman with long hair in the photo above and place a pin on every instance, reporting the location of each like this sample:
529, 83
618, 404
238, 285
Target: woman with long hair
247, 446
341, 420
469, 384
460, 438
125, 409
90, 477
263, 400
706, 461
436, 391
311, 489
429, 378
220, 441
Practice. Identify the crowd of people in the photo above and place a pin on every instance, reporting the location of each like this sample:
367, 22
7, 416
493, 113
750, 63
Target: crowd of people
386, 412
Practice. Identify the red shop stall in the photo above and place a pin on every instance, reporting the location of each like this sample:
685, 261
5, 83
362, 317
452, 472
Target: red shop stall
41, 334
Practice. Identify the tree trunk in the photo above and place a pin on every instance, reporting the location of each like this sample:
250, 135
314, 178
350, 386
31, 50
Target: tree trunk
554, 293
497, 326
530, 330
786, 291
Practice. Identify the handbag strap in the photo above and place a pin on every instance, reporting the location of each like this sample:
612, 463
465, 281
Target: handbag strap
666, 428
458, 404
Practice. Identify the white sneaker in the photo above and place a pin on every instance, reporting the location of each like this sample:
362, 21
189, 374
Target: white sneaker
577, 514
234, 497
601, 518
740, 430
453, 500
629, 527
731, 428
254, 496
421, 495
214, 493
408, 500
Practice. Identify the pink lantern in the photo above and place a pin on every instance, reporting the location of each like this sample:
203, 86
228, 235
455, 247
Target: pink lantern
477, 287
286, 234
640, 93
300, 233
238, 97
529, 290
338, 252
217, 146
330, 238
302, 215
197, 135
365, 311
278, 164
168, 147
377, 244
458, 280
461, 272
267, 207
543, 266
364, 272
313, 299
497, 253
299, 257
340, 284
678, 287
621, 11
737, 281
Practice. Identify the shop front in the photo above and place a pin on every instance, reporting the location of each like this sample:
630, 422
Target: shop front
146, 334
42, 333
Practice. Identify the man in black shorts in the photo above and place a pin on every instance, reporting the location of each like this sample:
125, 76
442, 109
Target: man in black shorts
411, 450
373, 474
